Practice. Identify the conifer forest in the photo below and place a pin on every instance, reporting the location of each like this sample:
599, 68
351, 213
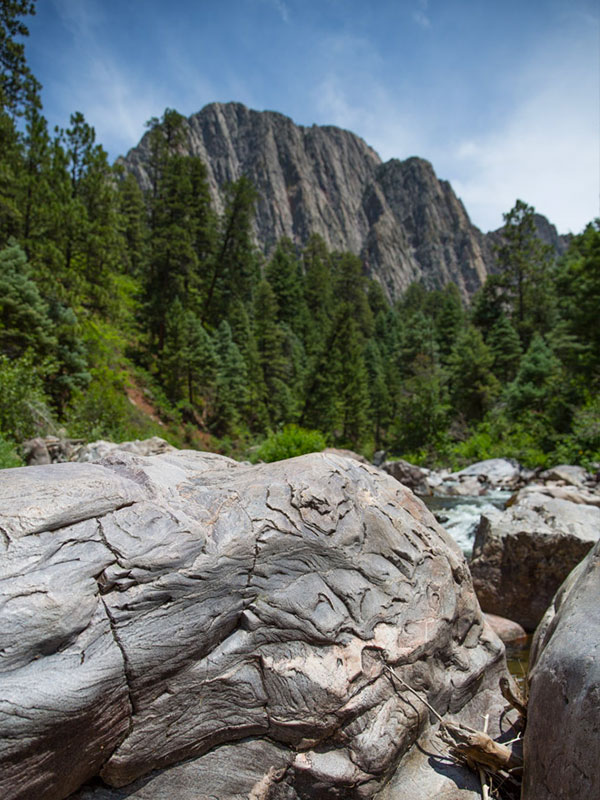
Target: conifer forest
126, 313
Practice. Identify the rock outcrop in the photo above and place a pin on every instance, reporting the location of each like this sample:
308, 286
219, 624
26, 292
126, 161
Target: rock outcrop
522, 555
404, 222
562, 742
205, 628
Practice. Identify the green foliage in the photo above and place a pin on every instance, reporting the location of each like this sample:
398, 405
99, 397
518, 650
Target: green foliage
8, 454
524, 261
103, 410
290, 442
24, 319
474, 387
535, 383
24, 406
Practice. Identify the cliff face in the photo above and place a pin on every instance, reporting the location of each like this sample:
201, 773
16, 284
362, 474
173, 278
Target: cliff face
405, 223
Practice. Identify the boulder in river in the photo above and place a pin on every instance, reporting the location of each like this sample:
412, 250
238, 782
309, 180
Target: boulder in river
186, 626
522, 555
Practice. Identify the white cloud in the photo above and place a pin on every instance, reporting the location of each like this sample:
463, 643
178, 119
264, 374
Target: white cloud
281, 7
420, 15
546, 153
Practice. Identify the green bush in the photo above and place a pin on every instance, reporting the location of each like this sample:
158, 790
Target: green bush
103, 411
24, 410
290, 442
8, 454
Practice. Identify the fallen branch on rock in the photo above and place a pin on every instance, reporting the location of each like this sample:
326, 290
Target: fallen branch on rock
475, 748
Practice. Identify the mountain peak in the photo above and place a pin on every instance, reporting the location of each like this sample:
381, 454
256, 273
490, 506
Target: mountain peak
405, 223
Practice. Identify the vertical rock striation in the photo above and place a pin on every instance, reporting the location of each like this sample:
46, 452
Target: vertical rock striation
405, 223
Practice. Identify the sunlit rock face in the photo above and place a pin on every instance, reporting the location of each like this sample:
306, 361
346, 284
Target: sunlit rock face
243, 618
405, 223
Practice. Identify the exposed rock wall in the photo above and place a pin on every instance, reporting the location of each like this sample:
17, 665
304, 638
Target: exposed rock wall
405, 223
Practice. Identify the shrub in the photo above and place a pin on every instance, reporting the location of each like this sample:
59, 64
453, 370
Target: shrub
8, 454
290, 442
24, 411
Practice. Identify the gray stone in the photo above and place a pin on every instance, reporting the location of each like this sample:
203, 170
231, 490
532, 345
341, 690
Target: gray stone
498, 473
521, 556
412, 476
162, 609
567, 473
94, 451
562, 741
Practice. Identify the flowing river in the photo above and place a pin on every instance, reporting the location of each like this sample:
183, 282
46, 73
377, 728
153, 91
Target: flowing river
460, 515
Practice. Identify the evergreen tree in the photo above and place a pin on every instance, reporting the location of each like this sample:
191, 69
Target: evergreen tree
578, 287
18, 86
25, 323
254, 411
379, 395
231, 381
473, 385
524, 261
270, 339
505, 348
284, 276
134, 229
235, 267
536, 381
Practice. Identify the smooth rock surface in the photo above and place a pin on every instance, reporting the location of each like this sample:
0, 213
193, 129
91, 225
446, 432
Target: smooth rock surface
522, 555
164, 608
562, 739
506, 629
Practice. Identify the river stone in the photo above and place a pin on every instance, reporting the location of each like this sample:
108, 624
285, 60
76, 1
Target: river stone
412, 476
569, 474
521, 556
163, 609
508, 630
580, 495
562, 739
94, 451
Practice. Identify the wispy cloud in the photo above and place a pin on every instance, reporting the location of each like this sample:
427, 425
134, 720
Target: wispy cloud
420, 15
281, 7
546, 152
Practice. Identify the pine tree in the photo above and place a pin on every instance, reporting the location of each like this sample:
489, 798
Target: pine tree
536, 381
235, 266
505, 347
133, 225
473, 385
524, 260
379, 396
270, 340
284, 276
24, 319
18, 87
231, 381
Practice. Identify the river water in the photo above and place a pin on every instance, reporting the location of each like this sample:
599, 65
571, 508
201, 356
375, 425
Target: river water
460, 515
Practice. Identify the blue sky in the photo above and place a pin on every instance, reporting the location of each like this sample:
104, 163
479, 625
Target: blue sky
502, 96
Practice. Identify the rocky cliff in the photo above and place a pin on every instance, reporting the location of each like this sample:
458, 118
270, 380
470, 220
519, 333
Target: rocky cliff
404, 222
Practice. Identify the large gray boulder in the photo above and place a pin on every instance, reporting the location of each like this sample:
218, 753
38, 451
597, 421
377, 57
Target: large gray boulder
562, 739
241, 620
522, 555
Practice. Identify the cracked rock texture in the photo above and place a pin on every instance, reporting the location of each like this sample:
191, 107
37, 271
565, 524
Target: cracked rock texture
562, 739
239, 619
522, 555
